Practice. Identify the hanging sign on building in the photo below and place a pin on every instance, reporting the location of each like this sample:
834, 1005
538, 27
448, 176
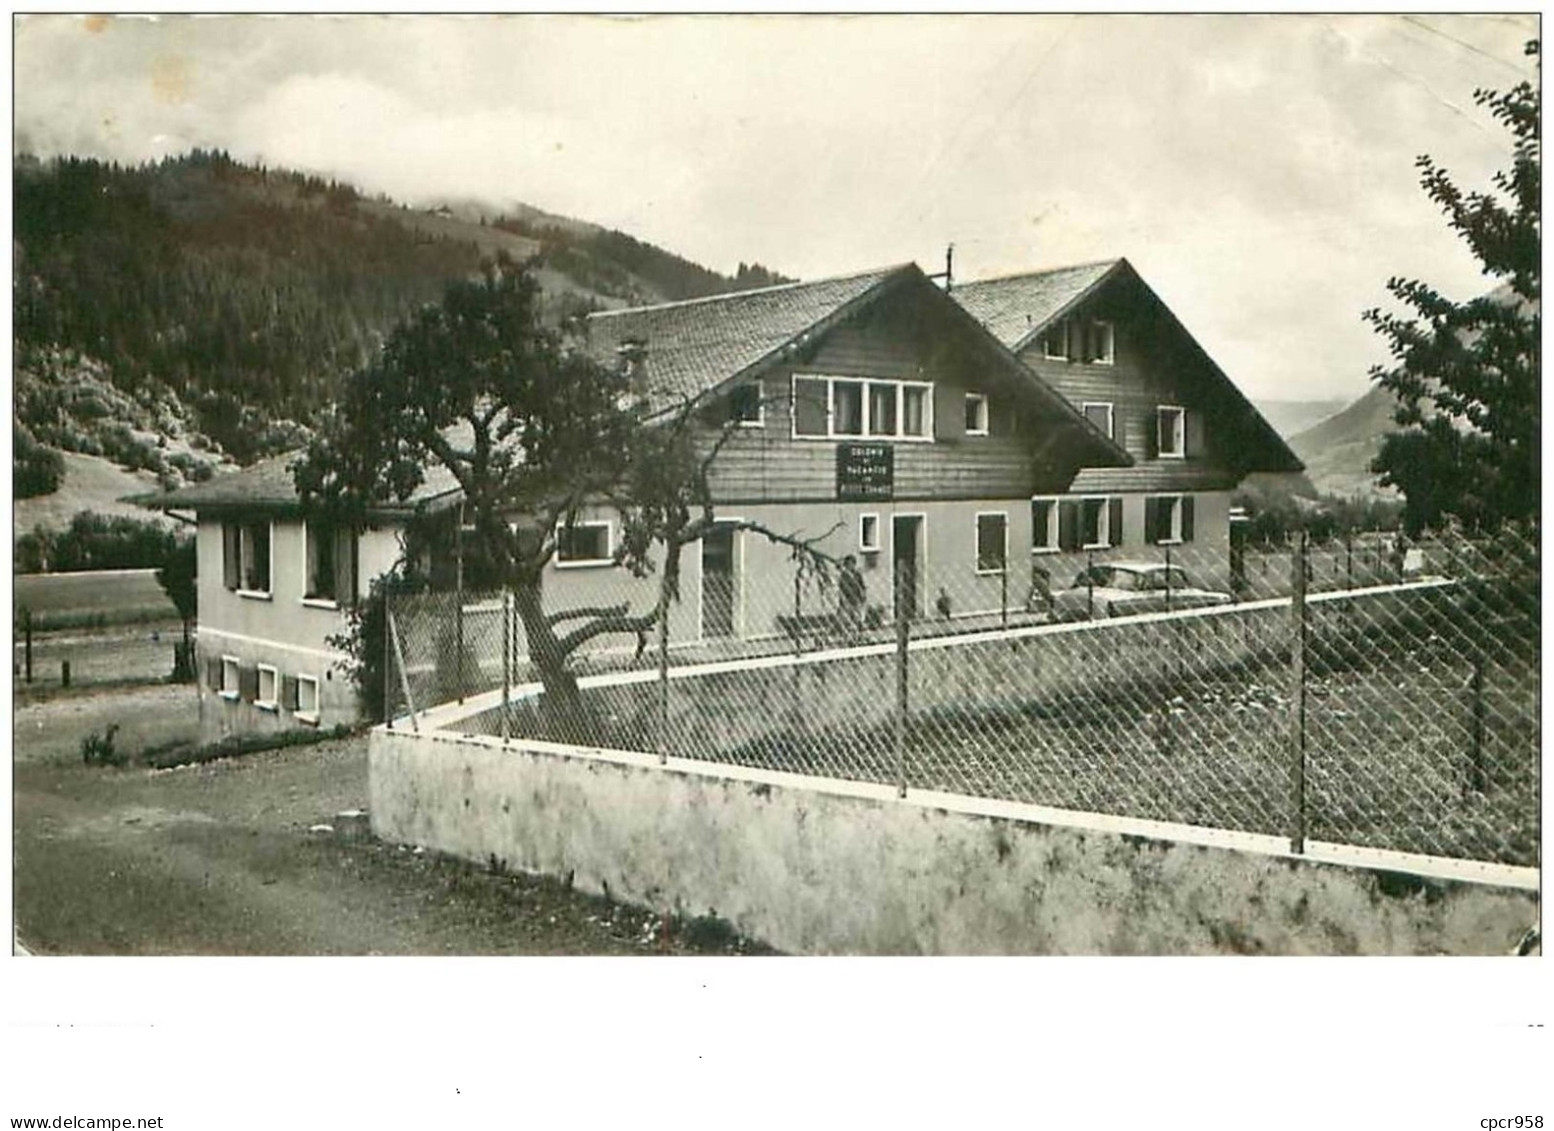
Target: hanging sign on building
865, 472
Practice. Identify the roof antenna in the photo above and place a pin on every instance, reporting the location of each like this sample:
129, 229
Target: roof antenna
949, 268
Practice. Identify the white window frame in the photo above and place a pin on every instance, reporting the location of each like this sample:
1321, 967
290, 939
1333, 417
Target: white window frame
1110, 356
307, 542
976, 543
1061, 326
1103, 527
301, 712
984, 414
273, 703
760, 404
243, 555
865, 544
233, 691
865, 435
1111, 415
1053, 545
587, 563
1179, 433
1175, 537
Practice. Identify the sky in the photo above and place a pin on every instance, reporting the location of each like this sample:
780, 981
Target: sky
1258, 170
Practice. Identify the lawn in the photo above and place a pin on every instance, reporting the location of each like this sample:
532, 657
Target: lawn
94, 599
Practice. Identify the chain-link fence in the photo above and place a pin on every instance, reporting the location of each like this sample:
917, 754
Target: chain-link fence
1370, 691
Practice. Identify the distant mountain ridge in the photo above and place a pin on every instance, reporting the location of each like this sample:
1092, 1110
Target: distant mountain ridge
1338, 451
230, 301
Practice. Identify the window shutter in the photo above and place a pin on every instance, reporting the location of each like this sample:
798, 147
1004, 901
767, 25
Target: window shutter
1152, 436
1114, 522
345, 567
231, 555
1186, 518
1068, 524
1194, 433
248, 683
213, 672
1151, 520
289, 692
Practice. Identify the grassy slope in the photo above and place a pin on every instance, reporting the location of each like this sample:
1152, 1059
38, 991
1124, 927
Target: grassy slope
1338, 451
91, 484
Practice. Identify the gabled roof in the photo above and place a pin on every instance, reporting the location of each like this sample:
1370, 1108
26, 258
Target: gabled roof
268, 485
1015, 308
696, 345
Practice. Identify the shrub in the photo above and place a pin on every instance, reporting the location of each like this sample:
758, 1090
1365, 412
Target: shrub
35, 469
97, 749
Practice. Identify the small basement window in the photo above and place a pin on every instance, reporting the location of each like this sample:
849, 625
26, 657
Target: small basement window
307, 698
976, 414
584, 544
230, 677
992, 541
269, 693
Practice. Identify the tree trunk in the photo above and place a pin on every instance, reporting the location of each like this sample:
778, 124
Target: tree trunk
564, 714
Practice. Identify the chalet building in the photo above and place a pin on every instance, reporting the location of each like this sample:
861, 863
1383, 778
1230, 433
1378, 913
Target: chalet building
1102, 338
872, 413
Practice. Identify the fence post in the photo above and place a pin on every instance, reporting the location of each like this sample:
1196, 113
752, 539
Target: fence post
1003, 583
663, 676
458, 598
1298, 629
404, 675
903, 635
1090, 585
1348, 559
27, 638
64, 673
798, 611
1477, 778
1168, 578
388, 663
507, 661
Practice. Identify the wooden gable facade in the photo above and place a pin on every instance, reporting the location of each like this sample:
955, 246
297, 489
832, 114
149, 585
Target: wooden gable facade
897, 366
1114, 350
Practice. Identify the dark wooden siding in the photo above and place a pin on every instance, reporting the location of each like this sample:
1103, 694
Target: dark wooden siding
768, 464
1152, 368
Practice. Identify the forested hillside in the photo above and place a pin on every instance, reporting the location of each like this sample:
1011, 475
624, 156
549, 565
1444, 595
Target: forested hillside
219, 305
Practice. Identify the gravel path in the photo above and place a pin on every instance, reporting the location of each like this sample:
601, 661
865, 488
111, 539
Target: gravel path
223, 858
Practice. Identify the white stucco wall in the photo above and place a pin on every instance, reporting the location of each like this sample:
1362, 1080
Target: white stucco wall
818, 866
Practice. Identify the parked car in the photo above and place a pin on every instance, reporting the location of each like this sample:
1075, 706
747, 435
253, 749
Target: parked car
1119, 589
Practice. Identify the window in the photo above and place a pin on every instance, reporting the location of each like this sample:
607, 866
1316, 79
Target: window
1099, 413
307, 698
1044, 525
1100, 522
976, 414
583, 544
1054, 343
268, 693
1168, 519
1100, 343
1171, 431
869, 533
230, 677
992, 541
827, 407
745, 407
330, 553
245, 551
847, 408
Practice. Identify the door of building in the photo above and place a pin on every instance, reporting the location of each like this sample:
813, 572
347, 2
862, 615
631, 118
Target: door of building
907, 558
717, 582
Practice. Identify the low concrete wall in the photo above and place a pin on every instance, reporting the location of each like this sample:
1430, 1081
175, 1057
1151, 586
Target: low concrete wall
818, 866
